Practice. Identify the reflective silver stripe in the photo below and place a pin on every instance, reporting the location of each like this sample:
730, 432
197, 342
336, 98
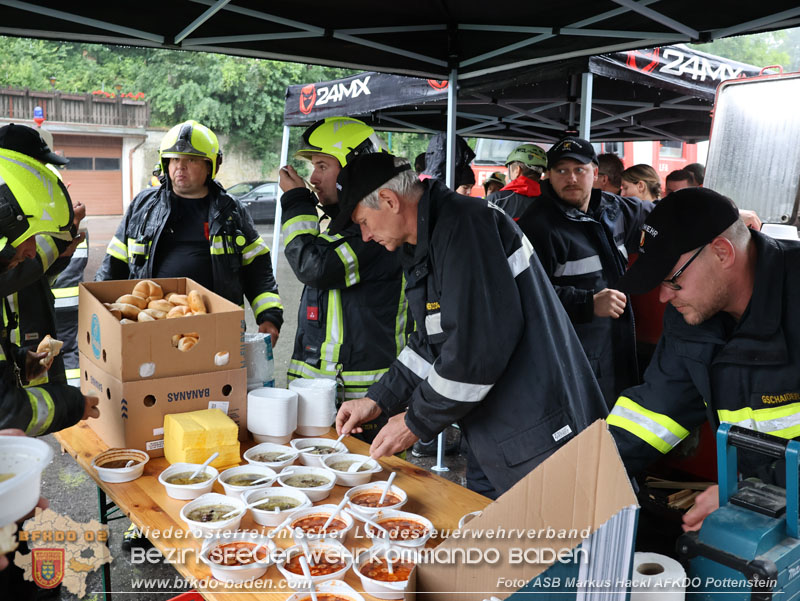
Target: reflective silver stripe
41, 412
217, 244
80, 253
350, 261
47, 250
419, 366
76, 382
69, 301
433, 324
252, 254
521, 259
621, 248
768, 425
458, 391
579, 267
334, 328
136, 248
309, 225
648, 424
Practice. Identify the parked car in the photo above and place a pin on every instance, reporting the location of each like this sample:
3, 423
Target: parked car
258, 198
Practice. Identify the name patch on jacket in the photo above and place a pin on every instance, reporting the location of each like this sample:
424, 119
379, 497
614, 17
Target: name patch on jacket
779, 399
432, 306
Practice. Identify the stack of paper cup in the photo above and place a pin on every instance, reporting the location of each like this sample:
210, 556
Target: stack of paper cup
272, 414
316, 405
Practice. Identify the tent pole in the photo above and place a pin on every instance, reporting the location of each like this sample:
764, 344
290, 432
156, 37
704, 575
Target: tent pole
585, 124
276, 228
452, 97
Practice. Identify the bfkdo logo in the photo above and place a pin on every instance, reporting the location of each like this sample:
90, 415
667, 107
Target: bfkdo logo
95, 336
48, 567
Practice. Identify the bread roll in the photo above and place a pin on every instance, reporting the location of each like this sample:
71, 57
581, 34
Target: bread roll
129, 311
177, 299
160, 305
186, 343
125, 320
179, 311
145, 316
132, 299
149, 290
222, 358
113, 308
196, 303
52, 347
154, 313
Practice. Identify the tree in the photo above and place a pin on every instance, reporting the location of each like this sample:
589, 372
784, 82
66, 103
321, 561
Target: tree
760, 50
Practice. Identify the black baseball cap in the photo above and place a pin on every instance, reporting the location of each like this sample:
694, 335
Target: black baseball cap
683, 221
360, 177
571, 148
26, 140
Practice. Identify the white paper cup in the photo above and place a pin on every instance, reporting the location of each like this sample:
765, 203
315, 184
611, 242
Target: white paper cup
272, 414
316, 405
26, 458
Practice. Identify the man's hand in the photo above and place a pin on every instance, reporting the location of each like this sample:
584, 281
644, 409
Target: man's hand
68, 252
609, 303
393, 438
267, 327
354, 413
34, 369
706, 502
751, 219
90, 408
288, 179
79, 212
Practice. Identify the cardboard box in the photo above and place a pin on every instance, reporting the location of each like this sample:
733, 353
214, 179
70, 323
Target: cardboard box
132, 413
580, 488
144, 350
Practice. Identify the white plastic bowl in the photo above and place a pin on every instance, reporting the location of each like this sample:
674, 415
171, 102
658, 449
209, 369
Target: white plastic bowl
268, 447
311, 459
120, 474
335, 587
346, 478
233, 490
315, 493
333, 549
373, 487
186, 492
26, 458
379, 588
323, 511
274, 518
383, 514
240, 573
210, 529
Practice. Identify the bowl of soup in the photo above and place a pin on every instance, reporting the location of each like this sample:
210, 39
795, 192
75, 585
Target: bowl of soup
340, 464
312, 519
205, 515
271, 455
315, 482
112, 465
238, 480
277, 504
363, 500
22, 461
376, 577
331, 590
330, 560
179, 484
404, 529
314, 450
238, 557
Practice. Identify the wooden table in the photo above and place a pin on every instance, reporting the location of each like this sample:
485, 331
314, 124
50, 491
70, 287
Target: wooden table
146, 503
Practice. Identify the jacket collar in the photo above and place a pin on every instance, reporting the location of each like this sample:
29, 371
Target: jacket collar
415, 256
599, 202
525, 186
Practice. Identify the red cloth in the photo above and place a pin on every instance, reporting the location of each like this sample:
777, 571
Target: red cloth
648, 313
525, 186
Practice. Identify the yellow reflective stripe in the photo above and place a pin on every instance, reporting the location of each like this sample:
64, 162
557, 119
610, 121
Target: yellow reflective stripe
267, 300
781, 421
363, 379
47, 251
39, 381
84, 244
217, 245
350, 262
65, 292
136, 248
73, 373
334, 328
250, 252
117, 250
14, 335
297, 226
401, 321
656, 429
42, 411
331, 237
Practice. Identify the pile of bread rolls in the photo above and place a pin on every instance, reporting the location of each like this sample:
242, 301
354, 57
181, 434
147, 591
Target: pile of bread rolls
147, 303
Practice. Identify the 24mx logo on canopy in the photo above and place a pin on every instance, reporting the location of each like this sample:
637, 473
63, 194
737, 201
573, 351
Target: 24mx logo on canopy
311, 96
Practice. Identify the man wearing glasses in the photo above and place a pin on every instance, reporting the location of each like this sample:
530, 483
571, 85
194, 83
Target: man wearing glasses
729, 351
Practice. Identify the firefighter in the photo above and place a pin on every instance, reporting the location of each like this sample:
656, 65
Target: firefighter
526, 164
493, 349
353, 319
730, 348
189, 227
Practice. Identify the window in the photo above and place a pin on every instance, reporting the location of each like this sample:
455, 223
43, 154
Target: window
106, 164
672, 149
79, 163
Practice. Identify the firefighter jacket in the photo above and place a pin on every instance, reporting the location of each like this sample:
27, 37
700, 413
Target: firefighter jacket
65, 290
494, 349
240, 260
582, 253
353, 318
743, 373
516, 196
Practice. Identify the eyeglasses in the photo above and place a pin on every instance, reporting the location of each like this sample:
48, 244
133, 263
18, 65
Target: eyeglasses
671, 283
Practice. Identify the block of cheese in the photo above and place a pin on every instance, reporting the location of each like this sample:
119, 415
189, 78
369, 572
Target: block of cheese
193, 436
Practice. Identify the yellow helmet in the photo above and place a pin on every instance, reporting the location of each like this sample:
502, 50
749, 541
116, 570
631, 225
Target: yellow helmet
341, 137
33, 200
194, 139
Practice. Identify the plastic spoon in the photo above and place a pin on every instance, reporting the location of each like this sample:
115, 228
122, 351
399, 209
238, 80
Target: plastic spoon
356, 465
243, 509
202, 468
377, 526
261, 480
386, 488
130, 463
307, 574
300, 537
279, 527
335, 513
338, 441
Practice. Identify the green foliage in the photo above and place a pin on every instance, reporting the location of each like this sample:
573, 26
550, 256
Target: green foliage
760, 50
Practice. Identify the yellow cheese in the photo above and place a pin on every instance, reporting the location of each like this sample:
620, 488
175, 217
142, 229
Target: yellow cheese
193, 436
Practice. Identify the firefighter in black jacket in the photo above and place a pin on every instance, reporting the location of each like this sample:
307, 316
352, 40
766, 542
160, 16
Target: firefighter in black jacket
189, 227
493, 349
